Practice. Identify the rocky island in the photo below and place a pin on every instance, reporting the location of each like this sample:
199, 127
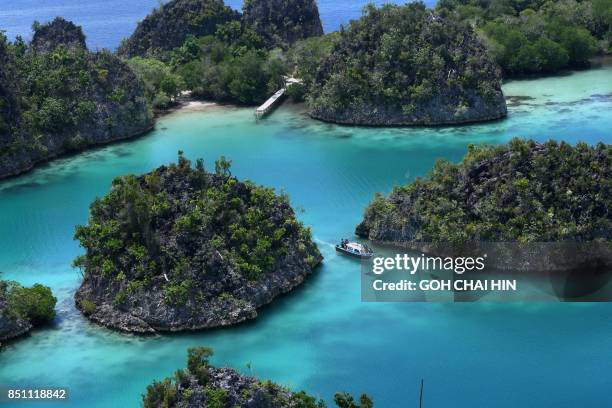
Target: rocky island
405, 65
22, 309
184, 249
524, 192
281, 22
58, 97
202, 385
168, 26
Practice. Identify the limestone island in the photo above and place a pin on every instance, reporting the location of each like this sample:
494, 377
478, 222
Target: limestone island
168, 26
283, 22
406, 65
267, 23
22, 309
57, 97
552, 198
184, 249
203, 385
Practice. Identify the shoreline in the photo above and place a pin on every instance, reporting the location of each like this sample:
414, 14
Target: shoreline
39, 163
186, 105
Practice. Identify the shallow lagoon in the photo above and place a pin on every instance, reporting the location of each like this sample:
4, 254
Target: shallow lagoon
320, 338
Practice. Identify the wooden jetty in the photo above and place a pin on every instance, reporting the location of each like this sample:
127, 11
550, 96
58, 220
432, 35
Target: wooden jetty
269, 105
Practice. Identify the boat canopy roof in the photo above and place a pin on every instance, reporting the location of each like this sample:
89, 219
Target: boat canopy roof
356, 246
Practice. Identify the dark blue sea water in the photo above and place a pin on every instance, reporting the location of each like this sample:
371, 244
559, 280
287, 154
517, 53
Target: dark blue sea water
107, 22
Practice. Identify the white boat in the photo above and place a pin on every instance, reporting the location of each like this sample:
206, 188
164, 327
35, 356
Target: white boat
354, 249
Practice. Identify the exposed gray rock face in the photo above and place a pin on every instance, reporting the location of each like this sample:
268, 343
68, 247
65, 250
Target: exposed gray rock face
404, 65
202, 385
48, 37
192, 250
168, 26
283, 22
443, 109
240, 391
147, 311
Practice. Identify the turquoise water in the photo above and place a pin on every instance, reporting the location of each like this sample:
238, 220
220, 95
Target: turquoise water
320, 338
107, 22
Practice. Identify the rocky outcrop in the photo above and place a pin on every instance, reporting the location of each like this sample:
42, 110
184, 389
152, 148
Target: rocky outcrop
169, 26
69, 100
202, 385
404, 65
283, 22
48, 37
531, 206
238, 391
182, 249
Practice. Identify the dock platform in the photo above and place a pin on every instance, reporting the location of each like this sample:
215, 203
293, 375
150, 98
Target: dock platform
269, 105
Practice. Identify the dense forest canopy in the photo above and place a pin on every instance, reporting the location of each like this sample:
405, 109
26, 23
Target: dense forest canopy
35, 304
230, 66
237, 60
523, 191
537, 36
406, 65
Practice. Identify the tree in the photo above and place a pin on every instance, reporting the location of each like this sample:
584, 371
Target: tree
552, 56
197, 362
161, 84
345, 400
222, 167
36, 304
579, 43
197, 357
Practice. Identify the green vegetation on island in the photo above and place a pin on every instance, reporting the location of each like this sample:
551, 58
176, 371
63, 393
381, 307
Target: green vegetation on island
397, 65
21, 308
228, 57
520, 192
184, 249
305, 57
57, 97
231, 66
202, 385
537, 36
405, 65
